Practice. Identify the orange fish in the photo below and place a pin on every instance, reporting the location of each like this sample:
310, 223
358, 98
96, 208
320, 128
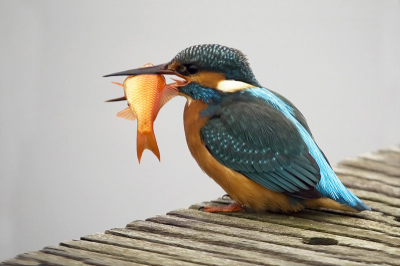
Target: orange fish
146, 94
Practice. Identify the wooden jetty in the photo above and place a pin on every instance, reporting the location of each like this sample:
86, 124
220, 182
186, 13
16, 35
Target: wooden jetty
311, 237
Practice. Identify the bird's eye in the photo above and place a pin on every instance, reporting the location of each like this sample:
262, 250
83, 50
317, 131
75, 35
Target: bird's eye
192, 69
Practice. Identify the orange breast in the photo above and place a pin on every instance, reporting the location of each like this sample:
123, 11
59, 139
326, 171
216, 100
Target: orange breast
143, 94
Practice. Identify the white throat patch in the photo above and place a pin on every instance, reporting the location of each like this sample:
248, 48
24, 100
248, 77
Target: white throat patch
233, 85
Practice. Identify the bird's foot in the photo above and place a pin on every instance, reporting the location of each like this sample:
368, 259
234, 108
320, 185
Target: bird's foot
233, 207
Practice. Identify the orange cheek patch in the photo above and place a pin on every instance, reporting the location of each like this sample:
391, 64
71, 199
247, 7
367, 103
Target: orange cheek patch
208, 79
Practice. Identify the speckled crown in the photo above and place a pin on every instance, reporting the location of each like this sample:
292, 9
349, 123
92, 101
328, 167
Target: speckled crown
217, 58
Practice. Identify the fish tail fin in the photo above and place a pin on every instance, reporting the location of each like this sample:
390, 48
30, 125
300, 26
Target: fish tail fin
147, 140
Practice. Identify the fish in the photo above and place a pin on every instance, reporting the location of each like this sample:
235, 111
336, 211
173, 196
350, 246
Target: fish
146, 95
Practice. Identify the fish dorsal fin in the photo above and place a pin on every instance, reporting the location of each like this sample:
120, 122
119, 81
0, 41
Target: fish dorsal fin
167, 94
127, 114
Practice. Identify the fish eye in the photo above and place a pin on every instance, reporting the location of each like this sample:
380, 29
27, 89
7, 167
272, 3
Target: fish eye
192, 69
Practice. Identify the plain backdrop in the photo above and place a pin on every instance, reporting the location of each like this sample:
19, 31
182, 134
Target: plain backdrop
68, 165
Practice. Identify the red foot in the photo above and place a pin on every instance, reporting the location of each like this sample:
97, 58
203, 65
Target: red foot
233, 207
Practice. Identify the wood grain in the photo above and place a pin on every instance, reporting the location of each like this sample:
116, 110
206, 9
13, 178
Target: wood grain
372, 165
238, 241
127, 254
259, 223
178, 253
185, 242
362, 174
88, 257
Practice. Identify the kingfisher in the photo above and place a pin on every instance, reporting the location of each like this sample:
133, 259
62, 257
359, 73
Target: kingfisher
251, 140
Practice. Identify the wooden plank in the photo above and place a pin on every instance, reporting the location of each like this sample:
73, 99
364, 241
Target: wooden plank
228, 252
390, 159
349, 221
369, 215
90, 258
390, 201
177, 253
20, 262
369, 185
48, 259
256, 223
383, 208
394, 150
138, 256
243, 243
365, 174
371, 166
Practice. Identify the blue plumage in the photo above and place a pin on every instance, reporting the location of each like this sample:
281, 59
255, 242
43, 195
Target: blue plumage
241, 133
197, 92
329, 185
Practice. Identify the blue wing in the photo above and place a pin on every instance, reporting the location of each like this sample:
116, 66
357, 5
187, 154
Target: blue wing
253, 138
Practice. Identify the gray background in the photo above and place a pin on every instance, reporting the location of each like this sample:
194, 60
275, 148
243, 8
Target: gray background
68, 166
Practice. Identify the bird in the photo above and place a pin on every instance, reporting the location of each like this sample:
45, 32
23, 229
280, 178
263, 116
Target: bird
251, 140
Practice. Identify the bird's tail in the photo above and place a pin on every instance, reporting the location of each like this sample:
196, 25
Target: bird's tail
330, 186
146, 140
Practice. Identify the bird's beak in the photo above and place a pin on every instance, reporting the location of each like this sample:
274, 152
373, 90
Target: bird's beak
159, 69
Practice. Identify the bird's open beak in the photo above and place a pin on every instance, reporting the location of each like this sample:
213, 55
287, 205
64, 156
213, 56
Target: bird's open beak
159, 69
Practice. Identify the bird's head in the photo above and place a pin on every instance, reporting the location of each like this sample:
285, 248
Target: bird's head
210, 66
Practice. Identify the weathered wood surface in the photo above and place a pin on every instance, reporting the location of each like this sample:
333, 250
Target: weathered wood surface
311, 237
